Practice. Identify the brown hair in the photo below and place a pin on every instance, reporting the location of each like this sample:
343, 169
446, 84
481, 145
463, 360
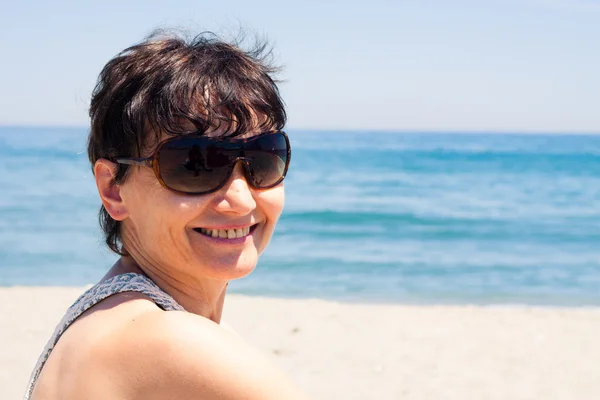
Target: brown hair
167, 82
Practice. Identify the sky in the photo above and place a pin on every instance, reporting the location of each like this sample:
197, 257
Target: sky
427, 65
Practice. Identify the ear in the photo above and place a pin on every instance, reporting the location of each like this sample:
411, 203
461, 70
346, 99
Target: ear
109, 191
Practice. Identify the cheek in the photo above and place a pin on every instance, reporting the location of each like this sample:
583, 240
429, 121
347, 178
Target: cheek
271, 202
156, 214
149, 217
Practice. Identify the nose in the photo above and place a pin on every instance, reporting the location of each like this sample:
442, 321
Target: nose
236, 196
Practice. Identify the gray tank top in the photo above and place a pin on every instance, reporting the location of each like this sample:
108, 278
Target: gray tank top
130, 282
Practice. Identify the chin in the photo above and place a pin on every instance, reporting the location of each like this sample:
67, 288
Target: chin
235, 273
245, 268
232, 269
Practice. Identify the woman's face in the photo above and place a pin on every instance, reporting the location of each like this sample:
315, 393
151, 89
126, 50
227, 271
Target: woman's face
169, 231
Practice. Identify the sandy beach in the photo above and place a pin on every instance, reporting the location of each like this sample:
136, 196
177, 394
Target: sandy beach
354, 351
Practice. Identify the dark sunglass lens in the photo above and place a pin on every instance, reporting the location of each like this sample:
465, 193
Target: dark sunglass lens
268, 157
193, 166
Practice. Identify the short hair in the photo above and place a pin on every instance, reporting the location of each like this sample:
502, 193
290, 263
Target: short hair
166, 82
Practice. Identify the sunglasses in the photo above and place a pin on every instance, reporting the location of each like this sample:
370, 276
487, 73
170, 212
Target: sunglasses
194, 164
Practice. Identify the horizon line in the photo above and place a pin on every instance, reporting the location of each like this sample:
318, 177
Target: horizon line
449, 131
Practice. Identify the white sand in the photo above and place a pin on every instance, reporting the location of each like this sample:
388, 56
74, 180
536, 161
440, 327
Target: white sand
345, 351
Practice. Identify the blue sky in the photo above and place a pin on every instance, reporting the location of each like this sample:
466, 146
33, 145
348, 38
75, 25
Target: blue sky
487, 65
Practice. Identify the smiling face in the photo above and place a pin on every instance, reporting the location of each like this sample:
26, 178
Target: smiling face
217, 236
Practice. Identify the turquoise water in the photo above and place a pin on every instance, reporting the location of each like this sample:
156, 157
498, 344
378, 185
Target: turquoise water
412, 218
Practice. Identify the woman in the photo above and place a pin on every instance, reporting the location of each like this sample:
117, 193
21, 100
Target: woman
189, 160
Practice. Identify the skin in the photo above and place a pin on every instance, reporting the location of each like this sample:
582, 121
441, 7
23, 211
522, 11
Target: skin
126, 347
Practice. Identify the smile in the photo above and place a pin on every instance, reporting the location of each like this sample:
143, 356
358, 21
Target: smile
226, 233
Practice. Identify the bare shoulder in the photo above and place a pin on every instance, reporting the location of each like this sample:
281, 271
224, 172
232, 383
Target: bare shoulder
172, 355
225, 325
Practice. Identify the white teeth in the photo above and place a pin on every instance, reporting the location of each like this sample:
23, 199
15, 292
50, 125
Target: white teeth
226, 233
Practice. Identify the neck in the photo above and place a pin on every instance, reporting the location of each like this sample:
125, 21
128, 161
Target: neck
202, 297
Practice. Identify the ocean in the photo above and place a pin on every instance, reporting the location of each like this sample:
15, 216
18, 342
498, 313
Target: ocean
416, 218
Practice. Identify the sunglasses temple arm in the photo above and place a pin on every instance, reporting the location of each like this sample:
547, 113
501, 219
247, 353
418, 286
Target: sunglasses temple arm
143, 162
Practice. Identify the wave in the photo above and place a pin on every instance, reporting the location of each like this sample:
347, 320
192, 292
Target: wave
364, 224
